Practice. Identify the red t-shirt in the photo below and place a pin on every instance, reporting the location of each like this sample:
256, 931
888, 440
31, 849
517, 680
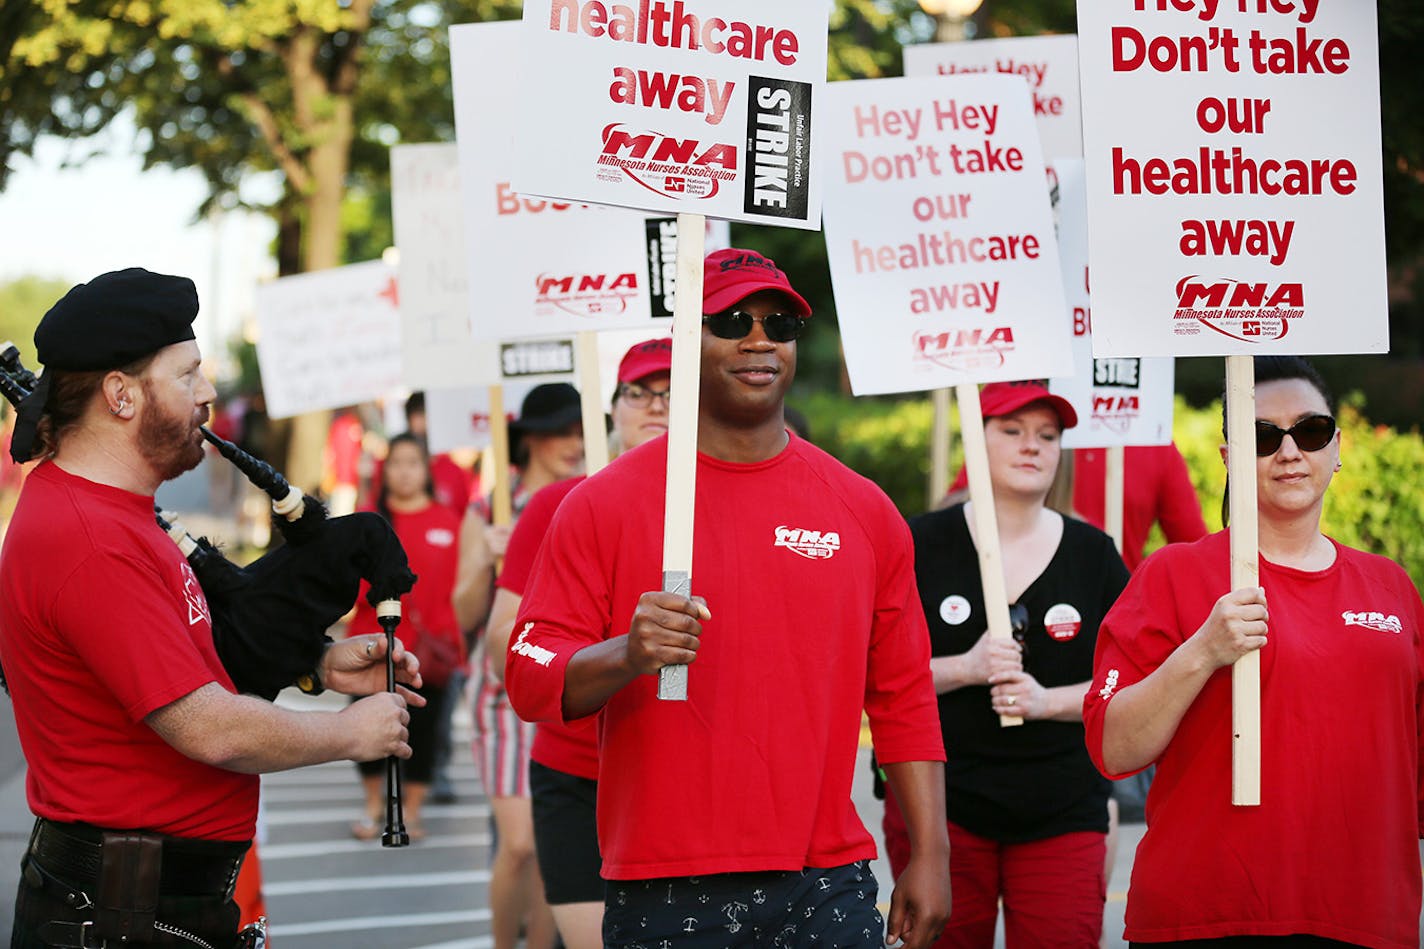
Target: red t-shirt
428, 627
343, 449
807, 570
570, 747
1332, 850
102, 622
1156, 487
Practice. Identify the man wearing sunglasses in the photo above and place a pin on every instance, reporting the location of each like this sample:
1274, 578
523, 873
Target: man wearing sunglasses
727, 819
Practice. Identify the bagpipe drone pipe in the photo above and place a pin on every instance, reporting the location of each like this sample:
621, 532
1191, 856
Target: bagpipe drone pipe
270, 617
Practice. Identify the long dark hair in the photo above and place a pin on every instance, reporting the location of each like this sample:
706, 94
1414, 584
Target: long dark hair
1276, 369
383, 506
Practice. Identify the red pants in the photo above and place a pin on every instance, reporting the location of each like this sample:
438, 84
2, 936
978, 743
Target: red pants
1053, 890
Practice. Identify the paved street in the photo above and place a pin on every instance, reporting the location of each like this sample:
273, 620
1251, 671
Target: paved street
326, 890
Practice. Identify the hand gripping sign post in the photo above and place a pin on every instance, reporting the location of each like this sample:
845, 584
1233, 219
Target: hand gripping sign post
1122, 401
1049, 66
1217, 205
693, 107
942, 255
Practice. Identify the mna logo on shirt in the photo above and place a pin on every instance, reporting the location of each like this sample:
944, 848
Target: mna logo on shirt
813, 545
1373, 620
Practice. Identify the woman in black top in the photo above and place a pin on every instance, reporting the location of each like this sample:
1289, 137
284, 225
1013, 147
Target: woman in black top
1027, 809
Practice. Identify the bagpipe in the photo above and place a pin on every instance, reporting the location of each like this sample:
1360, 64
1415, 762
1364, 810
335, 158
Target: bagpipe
269, 618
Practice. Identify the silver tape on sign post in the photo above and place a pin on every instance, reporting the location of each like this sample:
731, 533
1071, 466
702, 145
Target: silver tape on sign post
672, 680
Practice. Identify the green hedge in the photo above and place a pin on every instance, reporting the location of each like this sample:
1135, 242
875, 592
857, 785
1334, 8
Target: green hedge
1375, 502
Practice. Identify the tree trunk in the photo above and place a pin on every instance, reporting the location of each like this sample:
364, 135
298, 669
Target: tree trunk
331, 135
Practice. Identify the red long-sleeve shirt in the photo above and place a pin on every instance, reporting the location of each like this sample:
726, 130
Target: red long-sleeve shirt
807, 570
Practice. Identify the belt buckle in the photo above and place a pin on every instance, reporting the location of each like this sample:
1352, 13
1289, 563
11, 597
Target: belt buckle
253, 935
63, 935
84, 928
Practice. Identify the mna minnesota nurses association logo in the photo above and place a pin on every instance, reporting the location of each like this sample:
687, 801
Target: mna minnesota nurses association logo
813, 545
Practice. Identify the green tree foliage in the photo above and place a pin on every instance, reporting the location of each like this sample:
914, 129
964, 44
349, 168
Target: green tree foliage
1373, 503
22, 303
316, 90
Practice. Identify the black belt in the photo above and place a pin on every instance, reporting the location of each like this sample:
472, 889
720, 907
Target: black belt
71, 852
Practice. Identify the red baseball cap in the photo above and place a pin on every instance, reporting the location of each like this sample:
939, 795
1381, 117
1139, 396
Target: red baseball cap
1005, 398
730, 276
644, 359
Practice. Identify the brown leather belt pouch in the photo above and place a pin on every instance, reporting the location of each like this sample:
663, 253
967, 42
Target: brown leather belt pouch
126, 901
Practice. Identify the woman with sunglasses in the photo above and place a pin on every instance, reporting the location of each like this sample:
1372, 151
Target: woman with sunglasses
1330, 857
1027, 810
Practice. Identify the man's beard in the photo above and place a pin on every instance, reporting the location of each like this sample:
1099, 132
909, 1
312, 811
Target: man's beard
167, 441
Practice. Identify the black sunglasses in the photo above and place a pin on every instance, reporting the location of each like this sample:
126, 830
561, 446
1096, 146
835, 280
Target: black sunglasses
737, 324
1311, 433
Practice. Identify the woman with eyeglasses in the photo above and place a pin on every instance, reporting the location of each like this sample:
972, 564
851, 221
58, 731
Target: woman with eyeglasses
1330, 856
1027, 811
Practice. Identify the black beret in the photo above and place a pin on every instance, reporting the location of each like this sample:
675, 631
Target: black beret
115, 319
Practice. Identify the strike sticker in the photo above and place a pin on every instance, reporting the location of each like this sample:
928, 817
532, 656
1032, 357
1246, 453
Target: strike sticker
1062, 621
954, 610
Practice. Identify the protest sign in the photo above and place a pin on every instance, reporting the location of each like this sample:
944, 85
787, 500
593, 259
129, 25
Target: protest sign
683, 106
459, 417
940, 234
328, 339
945, 266
1229, 147
1049, 64
539, 267
436, 346
1217, 208
1120, 401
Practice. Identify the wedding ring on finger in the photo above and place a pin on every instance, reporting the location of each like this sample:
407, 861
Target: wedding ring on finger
1011, 700
370, 648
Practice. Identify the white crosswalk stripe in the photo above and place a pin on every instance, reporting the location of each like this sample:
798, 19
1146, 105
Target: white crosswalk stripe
326, 890
363, 923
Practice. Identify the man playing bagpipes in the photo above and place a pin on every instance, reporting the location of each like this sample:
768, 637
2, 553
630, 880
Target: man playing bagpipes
143, 755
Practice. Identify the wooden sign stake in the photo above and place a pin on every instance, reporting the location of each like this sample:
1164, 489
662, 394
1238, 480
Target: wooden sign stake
595, 432
1112, 502
682, 429
1245, 572
986, 526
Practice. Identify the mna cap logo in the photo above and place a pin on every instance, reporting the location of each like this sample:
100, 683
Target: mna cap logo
1373, 620
748, 259
653, 346
813, 545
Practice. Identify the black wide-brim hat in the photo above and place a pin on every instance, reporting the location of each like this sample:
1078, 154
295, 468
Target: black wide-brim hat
551, 407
